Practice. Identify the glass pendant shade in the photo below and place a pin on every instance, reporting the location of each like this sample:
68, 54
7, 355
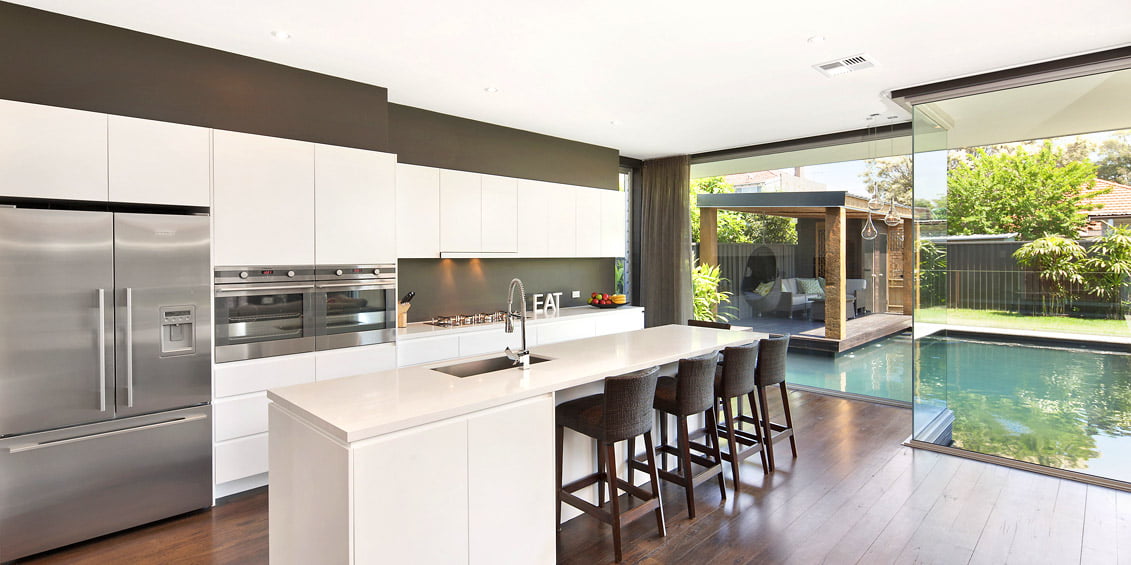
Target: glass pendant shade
874, 203
869, 232
892, 218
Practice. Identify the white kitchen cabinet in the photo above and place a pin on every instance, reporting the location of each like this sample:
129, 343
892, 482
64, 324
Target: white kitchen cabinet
588, 221
350, 361
155, 162
613, 222
619, 321
494, 340
418, 211
500, 214
354, 206
561, 221
461, 211
239, 416
263, 200
240, 458
254, 375
427, 349
48, 152
533, 199
405, 479
510, 450
566, 330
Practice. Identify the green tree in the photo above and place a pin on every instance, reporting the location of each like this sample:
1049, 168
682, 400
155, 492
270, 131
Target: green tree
740, 227
885, 176
1018, 191
1059, 260
1108, 268
1114, 162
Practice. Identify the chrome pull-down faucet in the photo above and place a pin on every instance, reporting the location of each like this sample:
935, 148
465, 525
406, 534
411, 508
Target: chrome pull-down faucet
522, 356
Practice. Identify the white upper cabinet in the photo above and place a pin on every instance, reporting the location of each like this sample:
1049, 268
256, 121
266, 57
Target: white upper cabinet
159, 162
561, 221
500, 214
461, 211
613, 223
354, 195
48, 152
532, 201
588, 220
418, 211
263, 200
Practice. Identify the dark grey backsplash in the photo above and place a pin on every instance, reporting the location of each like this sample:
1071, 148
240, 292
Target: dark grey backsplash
466, 286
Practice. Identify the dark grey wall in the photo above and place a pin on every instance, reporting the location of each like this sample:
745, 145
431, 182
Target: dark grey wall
468, 286
61, 61
421, 137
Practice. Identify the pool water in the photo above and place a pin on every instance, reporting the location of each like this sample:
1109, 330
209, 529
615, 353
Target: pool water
1060, 407
881, 368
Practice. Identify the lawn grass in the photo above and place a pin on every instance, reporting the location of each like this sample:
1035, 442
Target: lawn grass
1013, 320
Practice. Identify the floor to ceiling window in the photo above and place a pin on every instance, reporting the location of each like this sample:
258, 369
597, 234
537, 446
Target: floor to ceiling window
1023, 332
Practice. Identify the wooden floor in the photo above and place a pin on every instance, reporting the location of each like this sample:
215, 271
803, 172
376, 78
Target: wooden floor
810, 335
855, 495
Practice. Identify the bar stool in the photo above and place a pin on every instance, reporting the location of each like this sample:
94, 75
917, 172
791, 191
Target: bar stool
690, 392
735, 379
623, 411
771, 371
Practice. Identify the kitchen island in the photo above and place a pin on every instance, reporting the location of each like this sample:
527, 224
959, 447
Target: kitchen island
415, 465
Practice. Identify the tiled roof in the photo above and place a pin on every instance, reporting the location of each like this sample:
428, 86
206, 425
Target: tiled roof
1114, 203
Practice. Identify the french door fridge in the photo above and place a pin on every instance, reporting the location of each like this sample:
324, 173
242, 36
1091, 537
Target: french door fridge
105, 373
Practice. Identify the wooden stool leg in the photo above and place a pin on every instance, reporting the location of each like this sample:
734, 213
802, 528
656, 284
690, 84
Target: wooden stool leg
558, 468
630, 452
732, 443
601, 477
713, 436
610, 459
654, 476
663, 439
768, 433
685, 465
758, 433
788, 419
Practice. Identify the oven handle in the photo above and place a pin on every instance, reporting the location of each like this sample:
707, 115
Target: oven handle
252, 287
359, 286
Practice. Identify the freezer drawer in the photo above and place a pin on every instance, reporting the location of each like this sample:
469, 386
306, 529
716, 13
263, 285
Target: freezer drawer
65, 486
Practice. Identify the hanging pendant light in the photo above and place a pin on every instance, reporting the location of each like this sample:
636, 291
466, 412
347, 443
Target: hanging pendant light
892, 218
875, 203
869, 232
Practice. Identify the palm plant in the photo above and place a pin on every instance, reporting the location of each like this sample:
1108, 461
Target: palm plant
1059, 260
706, 296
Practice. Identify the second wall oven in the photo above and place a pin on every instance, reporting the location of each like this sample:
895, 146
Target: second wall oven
355, 305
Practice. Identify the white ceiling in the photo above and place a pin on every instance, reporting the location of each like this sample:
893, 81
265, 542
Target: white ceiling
677, 77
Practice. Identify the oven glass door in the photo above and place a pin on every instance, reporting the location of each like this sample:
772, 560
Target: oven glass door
254, 321
350, 314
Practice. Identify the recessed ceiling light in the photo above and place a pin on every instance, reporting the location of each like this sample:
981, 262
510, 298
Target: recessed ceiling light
491, 89
816, 39
614, 123
281, 35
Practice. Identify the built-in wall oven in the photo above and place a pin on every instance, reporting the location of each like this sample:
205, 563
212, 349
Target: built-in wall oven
355, 305
263, 311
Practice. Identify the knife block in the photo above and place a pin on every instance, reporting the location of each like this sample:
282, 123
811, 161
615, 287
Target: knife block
402, 314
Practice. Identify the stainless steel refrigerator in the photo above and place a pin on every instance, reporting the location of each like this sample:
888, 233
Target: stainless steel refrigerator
105, 373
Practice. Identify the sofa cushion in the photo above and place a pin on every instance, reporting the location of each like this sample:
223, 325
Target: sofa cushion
789, 285
764, 288
811, 287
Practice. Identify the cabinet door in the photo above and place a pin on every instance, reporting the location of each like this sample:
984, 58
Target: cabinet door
588, 219
494, 340
510, 468
418, 211
613, 223
350, 361
240, 458
48, 152
561, 221
240, 416
619, 321
159, 163
533, 199
408, 479
500, 214
263, 201
566, 331
426, 349
461, 211
354, 206
254, 375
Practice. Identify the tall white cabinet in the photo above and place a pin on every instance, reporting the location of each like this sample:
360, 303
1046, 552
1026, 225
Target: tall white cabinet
354, 211
159, 162
418, 211
48, 152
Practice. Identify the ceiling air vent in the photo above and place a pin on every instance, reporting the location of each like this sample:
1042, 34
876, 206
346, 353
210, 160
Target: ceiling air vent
845, 65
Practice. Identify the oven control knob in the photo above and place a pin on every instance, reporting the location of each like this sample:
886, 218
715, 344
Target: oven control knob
376, 271
338, 272
290, 273
243, 274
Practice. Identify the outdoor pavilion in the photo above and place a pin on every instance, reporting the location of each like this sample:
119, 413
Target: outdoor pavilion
835, 208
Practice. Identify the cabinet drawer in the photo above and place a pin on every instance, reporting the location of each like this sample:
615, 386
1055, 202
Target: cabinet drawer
565, 331
242, 377
491, 341
241, 458
241, 416
351, 361
425, 350
618, 322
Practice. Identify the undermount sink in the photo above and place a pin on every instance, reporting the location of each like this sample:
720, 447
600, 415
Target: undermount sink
472, 368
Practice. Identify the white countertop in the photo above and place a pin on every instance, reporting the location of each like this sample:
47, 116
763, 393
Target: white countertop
365, 406
425, 329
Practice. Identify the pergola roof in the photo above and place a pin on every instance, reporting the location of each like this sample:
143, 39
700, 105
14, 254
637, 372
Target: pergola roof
796, 204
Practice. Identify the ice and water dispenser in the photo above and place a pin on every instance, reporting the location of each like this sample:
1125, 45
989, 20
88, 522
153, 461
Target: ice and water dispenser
178, 330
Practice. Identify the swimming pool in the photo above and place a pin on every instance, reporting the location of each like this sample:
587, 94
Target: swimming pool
1062, 407
881, 369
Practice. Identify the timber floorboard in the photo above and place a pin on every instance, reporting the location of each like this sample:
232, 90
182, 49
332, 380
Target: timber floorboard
855, 494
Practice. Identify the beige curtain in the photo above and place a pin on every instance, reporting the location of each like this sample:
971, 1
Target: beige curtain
665, 247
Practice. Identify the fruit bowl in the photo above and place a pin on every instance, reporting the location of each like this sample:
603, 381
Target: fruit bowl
606, 300
606, 305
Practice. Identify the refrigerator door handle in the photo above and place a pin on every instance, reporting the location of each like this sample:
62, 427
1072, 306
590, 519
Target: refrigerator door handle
173, 422
129, 348
101, 350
